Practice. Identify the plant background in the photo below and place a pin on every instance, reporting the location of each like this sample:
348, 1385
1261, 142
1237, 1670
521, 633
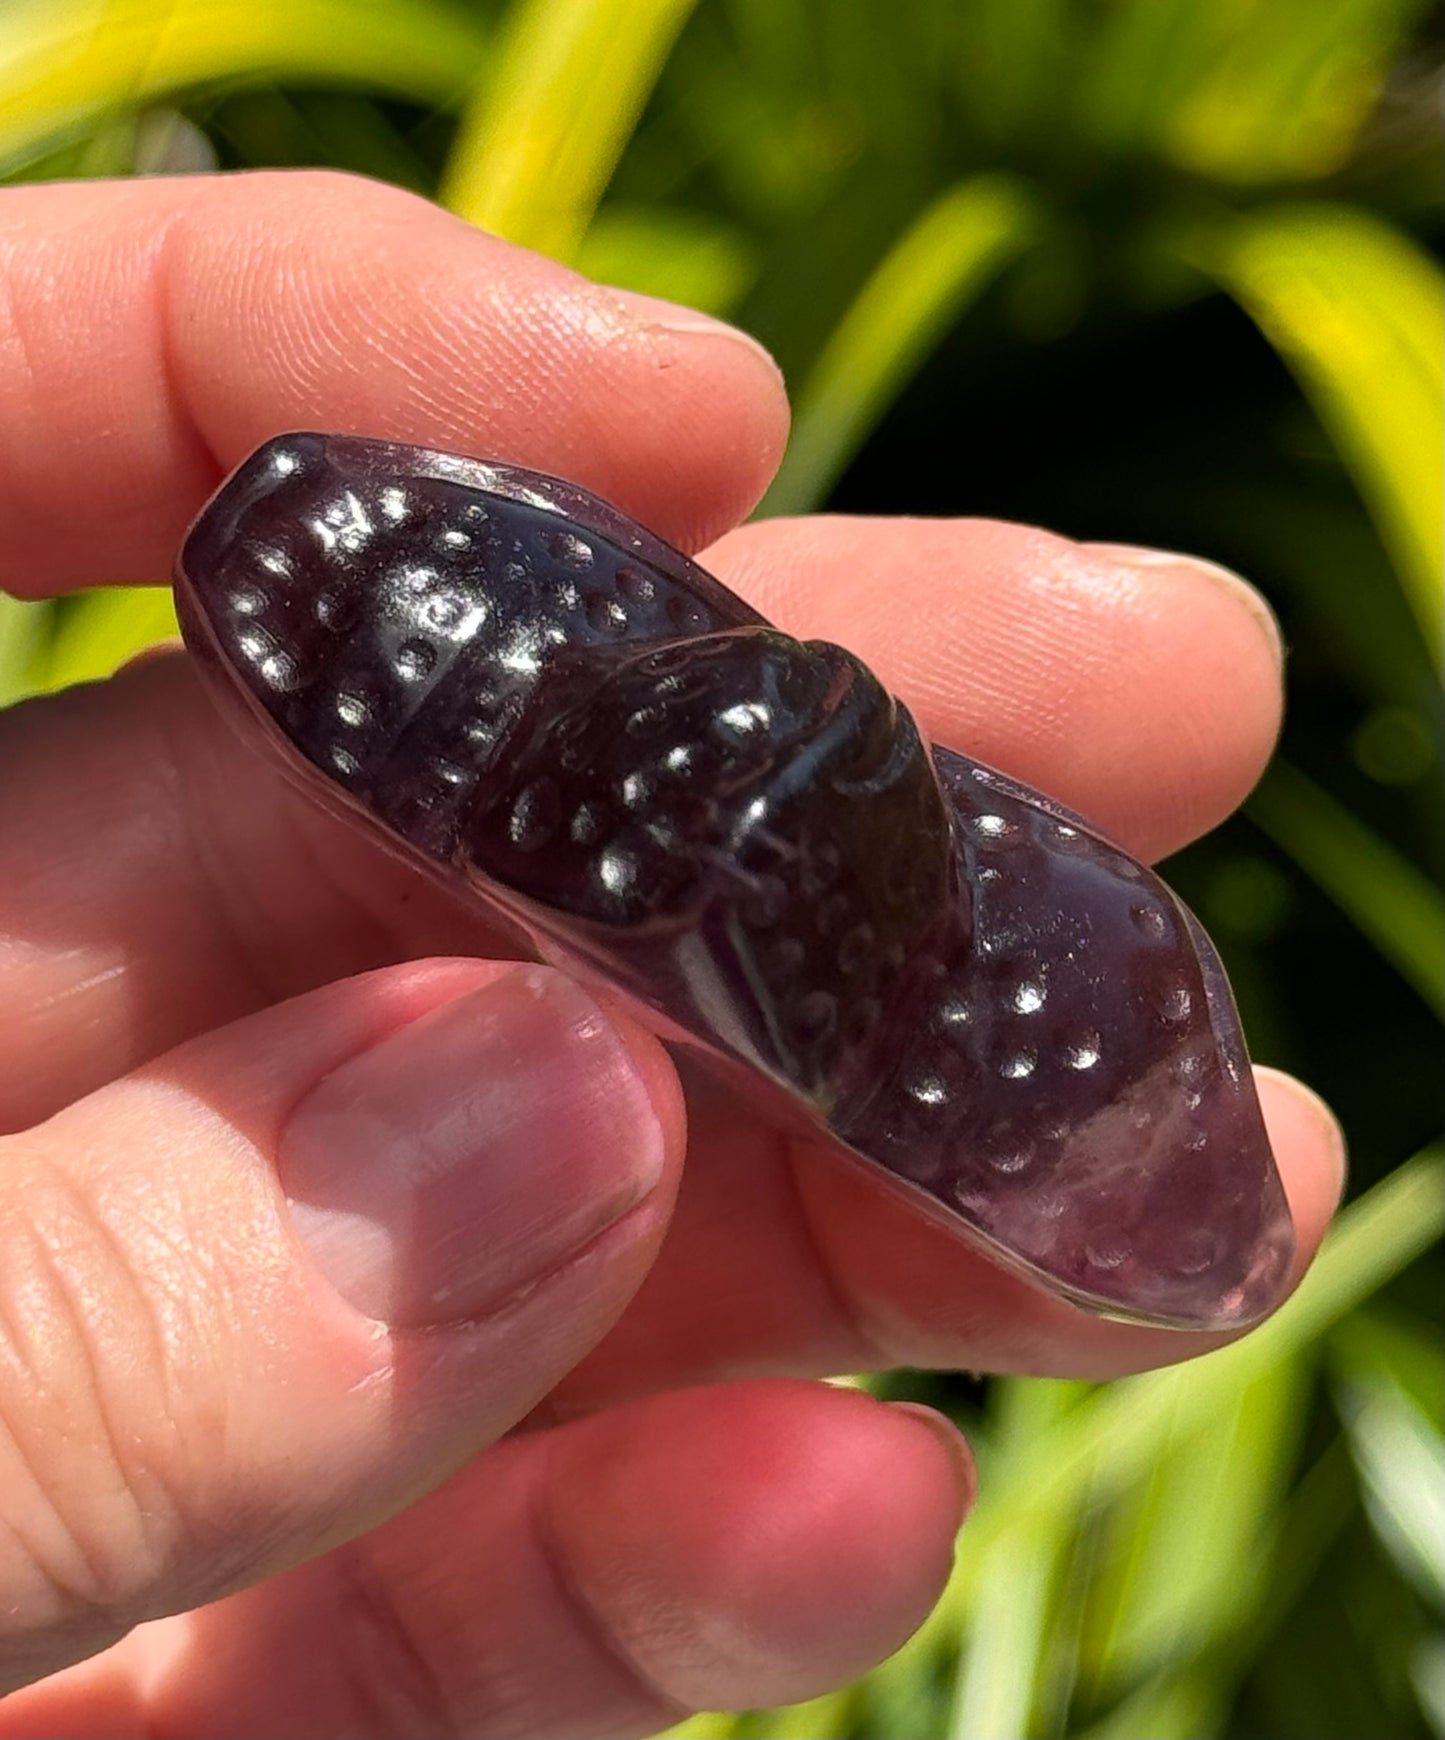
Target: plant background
1151, 270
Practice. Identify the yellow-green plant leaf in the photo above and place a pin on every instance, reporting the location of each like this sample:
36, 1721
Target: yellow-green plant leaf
63, 62
1393, 903
1358, 312
1400, 1455
1007, 1632
1180, 1706
24, 630
1168, 1585
543, 133
710, 1725
683, 256
98, 631
1011, 54
1288, 86
1247, 91
945, 257
1109, 1441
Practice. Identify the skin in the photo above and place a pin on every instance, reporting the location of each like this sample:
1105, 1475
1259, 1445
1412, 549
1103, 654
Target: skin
597, 1490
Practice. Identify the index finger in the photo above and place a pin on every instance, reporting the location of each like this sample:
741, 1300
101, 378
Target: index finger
153, 332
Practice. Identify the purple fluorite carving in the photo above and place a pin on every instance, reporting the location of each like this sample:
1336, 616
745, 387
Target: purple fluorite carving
957, 979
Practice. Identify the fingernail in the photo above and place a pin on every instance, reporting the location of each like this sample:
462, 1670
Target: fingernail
677, 317
1332, 1137
953, 1442
470, 1153
1136, 556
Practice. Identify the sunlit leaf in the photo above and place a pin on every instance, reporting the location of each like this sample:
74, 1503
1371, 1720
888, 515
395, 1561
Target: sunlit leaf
65, 61
98, 631
1138, 64
1110, 1441
1427, 1671
1357, 311
541, 138
945, 257
711, 1725
1405, 1350
1396, 906
24, 631
1167, 1587
1401, 1458
1287, 86
1244, 90
1007, 1632
1181, 1706
683, 256
1011, 56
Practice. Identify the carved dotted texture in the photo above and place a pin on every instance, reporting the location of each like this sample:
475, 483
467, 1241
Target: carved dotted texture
956, 977
1076, 1084
765, 825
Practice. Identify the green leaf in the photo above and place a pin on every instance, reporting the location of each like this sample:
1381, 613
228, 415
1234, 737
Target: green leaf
1109, 1442
543, 134
1013, 56
1355, 309
1183, 1706
1287, 88
710, 1725
1246, 91
683, 256
1400, 1456
945, 257
1375, 1343
1139, 63
1007, 1632
1427, 1673
1168, 1588
63, 62
1396, 907
25, 630
98, 631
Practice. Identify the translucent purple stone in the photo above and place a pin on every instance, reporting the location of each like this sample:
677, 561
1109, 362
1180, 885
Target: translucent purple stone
959, 981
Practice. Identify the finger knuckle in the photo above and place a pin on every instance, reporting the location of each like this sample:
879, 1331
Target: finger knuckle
89, 1515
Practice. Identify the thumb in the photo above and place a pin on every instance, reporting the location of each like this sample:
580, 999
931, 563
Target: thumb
269, 1289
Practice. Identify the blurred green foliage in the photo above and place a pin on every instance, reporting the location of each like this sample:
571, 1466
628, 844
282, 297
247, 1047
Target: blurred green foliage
1160, 270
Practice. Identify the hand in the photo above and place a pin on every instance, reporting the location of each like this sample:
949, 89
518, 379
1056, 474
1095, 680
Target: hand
309, 1204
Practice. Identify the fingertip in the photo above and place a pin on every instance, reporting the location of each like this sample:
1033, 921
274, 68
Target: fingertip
953, 1445
656, 1074
201, 315
809, 1490
1043, 656
1309, 1150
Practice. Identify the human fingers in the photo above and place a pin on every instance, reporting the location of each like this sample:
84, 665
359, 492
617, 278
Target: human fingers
153, 331
1140, 687
717, 1549
259, 1295
787, 1257
156, 878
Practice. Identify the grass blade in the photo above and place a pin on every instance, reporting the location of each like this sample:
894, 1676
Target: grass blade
1400, 1456
63, 62
1249, 91
24, 630
1007, 1635
542, 137
98, 631
942, 260
1355, 309
1110, 1441
684, 256
1382, 893
1287, 88
1168, 1589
